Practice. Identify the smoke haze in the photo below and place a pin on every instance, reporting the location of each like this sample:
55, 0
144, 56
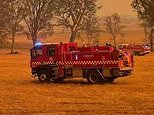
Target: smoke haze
122, 7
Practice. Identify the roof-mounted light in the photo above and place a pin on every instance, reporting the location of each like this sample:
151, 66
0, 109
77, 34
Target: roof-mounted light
38, 44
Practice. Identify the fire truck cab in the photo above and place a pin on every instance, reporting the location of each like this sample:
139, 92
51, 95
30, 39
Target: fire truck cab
56, 62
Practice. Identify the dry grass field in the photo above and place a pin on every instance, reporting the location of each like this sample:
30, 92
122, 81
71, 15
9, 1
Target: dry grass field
21, 94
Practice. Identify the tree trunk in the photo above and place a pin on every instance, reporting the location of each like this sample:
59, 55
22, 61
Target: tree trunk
151, 39
34, 38
114, 40
13, 41
73, 36
34, 42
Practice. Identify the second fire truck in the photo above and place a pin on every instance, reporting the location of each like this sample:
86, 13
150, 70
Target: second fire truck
136, 49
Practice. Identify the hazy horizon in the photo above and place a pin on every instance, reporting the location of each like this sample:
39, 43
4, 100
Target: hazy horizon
122, 7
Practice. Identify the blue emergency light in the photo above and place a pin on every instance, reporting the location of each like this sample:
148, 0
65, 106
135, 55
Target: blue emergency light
38, 44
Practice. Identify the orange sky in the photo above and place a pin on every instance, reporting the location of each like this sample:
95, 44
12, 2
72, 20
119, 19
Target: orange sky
122, 7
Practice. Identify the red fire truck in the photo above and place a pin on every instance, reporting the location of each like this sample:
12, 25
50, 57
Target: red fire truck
139, 50
56, 62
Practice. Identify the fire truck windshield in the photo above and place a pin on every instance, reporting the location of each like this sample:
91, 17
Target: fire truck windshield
36, 52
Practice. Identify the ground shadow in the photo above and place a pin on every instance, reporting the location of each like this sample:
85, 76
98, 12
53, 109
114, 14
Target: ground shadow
75, 82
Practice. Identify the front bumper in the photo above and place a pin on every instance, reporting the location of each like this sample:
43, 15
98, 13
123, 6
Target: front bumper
122, 72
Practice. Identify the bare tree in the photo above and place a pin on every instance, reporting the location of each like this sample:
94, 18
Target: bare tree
3, 33
2, 25
11, 12
122, 35
92, 31
145, 11
113, 26
72, 14
3, 38
38, 15
146, 32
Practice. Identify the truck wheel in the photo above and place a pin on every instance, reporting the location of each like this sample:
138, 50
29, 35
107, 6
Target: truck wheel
44, 78
93, 77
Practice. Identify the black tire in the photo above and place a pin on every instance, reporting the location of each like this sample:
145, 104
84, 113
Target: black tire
44, 77
94, 77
